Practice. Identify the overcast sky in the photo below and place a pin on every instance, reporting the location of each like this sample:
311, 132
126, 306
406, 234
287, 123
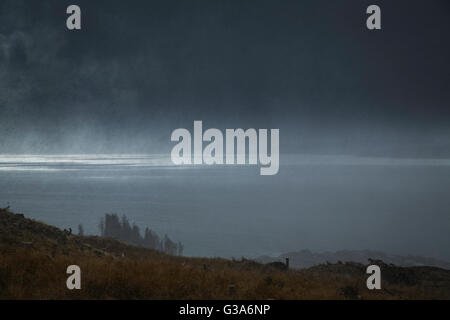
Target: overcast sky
139, 69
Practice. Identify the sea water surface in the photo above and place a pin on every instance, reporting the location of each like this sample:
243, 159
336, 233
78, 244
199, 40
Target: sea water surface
315, 202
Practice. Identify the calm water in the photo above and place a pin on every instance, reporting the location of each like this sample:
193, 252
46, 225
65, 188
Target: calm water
315, 202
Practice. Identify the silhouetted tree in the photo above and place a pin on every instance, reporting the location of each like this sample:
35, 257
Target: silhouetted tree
80, 230
113, 228
135, 236
180, 248
151, 239
170, 247
126, 229
101, 226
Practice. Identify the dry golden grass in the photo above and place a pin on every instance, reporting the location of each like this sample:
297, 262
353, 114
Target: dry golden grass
34, 258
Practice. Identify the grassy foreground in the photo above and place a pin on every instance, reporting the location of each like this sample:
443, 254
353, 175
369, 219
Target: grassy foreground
34, 257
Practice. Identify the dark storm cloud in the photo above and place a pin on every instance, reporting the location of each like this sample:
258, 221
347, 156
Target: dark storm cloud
139, 69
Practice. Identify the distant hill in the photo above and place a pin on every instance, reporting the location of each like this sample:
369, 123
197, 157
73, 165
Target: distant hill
34, 257
306, 258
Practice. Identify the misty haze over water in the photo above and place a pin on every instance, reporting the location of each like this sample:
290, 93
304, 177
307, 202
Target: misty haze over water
315, 202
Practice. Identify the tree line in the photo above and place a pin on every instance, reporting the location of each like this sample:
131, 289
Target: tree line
112, 226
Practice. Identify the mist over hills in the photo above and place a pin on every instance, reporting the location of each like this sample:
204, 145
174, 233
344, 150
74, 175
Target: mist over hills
306, 258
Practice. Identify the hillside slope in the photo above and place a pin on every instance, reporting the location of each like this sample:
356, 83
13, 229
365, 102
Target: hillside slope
34, 258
